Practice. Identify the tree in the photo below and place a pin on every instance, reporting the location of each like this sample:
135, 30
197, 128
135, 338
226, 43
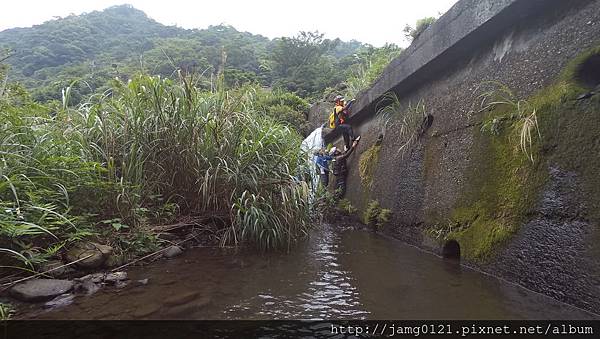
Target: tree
368, 65
300, 63
285, 107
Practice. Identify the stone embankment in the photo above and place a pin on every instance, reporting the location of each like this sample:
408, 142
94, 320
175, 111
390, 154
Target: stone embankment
525, 209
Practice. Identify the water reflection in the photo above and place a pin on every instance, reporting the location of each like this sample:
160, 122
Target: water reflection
336, 273
328, 292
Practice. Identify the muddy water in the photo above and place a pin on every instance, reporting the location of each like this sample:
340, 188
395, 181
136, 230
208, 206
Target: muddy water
337, 273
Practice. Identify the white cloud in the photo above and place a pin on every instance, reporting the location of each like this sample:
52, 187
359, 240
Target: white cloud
375, 21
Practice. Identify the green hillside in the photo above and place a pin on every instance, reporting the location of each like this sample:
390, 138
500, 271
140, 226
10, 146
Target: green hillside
121, 41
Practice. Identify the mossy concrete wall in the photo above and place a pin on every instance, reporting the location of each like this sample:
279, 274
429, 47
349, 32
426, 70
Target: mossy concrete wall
533, 222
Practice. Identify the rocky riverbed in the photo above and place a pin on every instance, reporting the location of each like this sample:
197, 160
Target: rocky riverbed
87, 267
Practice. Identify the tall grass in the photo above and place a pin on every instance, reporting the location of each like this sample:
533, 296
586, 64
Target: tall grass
409, 122
521, 112
529, 124
145, 145
6, 311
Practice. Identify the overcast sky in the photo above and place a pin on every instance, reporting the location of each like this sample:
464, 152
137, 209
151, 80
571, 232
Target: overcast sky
371, 21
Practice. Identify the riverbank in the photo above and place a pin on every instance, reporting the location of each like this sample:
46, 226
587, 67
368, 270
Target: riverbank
86, 267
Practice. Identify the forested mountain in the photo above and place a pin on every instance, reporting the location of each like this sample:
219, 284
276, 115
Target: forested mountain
121, 41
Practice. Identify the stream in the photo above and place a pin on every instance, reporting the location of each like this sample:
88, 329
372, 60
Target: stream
338, 272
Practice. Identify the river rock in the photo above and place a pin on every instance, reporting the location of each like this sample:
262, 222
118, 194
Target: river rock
173, 251
113, 278
95, 254
121, 283
87, 287
40, 289
60, 301
96, 278
56, 268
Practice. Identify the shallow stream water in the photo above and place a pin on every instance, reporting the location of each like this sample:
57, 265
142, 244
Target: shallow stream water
336, 273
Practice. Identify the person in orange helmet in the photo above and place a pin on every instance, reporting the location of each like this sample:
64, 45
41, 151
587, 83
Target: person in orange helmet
341, 114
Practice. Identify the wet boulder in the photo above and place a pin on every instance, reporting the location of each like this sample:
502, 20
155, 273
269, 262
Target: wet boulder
40, 289
60, 301
172, 251
96, 278
87, 287
95, 254
89, 284
115, 277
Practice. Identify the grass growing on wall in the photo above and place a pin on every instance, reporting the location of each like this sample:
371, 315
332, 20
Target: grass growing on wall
408, 122
367, 164
376, 216
506, 178
346, 207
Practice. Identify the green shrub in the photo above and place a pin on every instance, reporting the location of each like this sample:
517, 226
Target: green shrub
375, 216
412, 33
346, 206
521, 113
285, 107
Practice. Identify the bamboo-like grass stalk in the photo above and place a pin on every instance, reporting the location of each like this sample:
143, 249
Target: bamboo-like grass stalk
208, 152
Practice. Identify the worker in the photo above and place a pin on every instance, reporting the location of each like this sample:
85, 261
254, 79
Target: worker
338, 120
322, 162
340, 169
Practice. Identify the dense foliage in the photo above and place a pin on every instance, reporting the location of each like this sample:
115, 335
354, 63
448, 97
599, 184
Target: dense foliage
370, 63
301, 64
150, 151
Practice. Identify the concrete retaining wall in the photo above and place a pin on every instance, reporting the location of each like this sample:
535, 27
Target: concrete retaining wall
523, 44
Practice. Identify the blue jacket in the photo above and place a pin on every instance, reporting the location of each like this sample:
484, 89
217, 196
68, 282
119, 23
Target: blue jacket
323, 162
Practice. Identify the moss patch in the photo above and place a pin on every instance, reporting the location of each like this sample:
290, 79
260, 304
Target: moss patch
366, 166
503, 185
500, 190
